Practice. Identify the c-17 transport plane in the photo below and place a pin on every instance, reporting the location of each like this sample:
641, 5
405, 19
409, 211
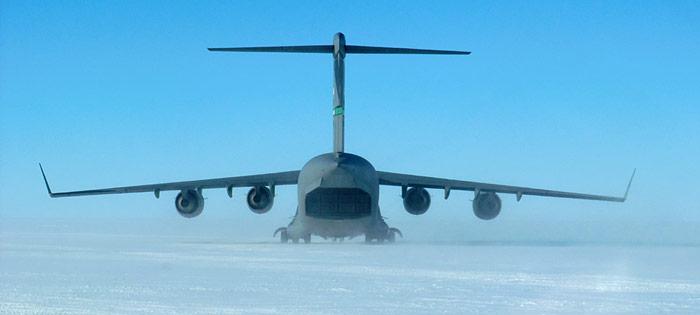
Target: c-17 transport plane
338, 192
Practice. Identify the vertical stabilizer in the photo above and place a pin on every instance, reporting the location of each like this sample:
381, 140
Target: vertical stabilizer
338, 92
339, 50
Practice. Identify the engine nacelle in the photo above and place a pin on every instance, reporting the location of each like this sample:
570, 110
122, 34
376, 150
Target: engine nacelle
189, 203
260, 199
487, 205
416, 201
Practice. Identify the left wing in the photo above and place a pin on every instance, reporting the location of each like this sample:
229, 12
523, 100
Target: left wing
406, 180
271, 179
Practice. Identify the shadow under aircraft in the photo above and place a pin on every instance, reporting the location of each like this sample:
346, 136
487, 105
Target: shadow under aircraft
338, 192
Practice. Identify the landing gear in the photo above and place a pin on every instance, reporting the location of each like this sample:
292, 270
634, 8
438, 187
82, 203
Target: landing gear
390, 236
284, 237
369, 238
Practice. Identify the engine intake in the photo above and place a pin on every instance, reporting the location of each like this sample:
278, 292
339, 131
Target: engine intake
416, 201
487, 205
260, 199
189, 203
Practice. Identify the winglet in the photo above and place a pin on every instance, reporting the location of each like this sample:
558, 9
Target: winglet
46, 181
629, 185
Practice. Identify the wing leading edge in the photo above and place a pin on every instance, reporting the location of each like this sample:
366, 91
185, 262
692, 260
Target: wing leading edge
407, 180
270, 179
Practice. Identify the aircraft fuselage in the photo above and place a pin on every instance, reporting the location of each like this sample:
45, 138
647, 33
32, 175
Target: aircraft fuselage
338, 197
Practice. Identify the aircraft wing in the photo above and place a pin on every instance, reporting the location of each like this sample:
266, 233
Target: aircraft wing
271, 179
406, 180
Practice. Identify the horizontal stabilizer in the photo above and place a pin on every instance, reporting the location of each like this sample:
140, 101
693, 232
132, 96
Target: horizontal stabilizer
280, 49
354, 49
349, 49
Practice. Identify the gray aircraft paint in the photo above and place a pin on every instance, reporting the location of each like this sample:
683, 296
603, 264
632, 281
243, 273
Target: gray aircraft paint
337, 170
338, 92
347, 184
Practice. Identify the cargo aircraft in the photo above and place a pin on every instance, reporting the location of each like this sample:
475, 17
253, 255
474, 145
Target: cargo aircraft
338, 192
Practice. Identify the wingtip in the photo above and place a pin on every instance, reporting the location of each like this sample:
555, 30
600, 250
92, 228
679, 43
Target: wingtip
46, 182
629, 184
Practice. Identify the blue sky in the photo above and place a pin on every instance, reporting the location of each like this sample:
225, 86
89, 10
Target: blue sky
561, 95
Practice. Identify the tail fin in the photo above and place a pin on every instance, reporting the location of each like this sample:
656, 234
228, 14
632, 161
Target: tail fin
339, 49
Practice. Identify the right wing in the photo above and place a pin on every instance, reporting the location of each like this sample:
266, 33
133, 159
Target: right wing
271, 179
408, 180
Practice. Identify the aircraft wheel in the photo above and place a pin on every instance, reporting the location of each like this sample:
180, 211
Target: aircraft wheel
391, 234
391, 237
307, 238
284, 237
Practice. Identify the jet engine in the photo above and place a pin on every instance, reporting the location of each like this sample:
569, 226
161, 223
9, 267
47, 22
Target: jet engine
189, 203
487, 205
260, 199
416, 200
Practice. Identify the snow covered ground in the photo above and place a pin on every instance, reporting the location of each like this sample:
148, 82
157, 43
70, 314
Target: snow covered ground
55, 271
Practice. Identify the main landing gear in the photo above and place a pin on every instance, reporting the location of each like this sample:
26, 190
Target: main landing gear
390, 236
284, 236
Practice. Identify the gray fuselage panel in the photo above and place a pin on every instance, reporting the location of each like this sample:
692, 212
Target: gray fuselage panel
336, 187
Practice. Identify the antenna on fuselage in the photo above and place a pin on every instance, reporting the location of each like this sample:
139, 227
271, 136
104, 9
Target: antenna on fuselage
339, 50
